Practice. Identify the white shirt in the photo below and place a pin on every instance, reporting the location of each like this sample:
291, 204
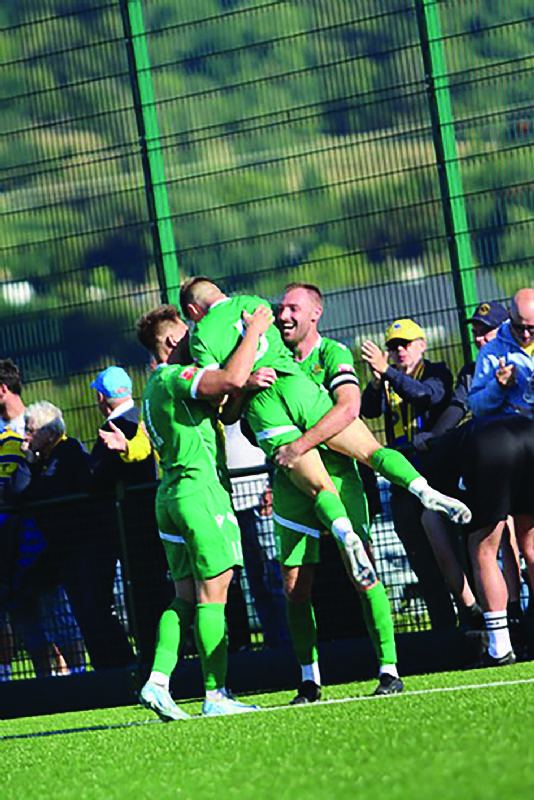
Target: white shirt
246, 492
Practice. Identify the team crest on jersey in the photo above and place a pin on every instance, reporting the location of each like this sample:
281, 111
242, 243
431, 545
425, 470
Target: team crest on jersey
188, 372
317, 369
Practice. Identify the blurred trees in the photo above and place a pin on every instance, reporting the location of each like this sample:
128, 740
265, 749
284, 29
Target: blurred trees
296, 141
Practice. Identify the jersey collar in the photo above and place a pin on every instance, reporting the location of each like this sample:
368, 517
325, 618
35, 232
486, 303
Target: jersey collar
315, 346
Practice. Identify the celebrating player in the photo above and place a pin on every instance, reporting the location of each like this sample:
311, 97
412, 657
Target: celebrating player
288, 417
193, 505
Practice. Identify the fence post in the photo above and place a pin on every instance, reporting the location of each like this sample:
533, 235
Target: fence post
151, 150
450, 180
120, 499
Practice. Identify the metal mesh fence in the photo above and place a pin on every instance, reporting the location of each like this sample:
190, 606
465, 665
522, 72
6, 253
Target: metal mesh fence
88, 582
381, 150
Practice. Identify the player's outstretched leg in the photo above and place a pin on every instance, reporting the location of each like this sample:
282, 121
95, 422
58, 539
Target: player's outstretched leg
358, 442
433, 500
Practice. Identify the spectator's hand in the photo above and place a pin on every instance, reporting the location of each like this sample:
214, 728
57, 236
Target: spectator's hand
261, 379
265, 507
287, 455
375, 358
114, 439
25, 448
261, 320
420, 441
506, 374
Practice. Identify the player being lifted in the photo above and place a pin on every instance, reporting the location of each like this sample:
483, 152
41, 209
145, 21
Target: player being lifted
289, 414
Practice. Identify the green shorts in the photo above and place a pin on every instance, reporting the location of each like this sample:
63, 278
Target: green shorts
200, 532
296, 527
278, 415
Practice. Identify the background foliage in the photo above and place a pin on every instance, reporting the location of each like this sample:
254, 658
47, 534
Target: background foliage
297, 145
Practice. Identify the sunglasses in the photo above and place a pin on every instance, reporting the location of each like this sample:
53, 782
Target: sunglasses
394, 344
520, 328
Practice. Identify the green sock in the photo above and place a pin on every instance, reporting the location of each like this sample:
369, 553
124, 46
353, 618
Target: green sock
174, 622
303, 630
377, 614
210, 635
394, 466
329, 509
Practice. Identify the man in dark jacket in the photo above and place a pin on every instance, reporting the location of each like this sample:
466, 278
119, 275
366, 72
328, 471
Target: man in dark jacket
411, 392
57, 466
144, 567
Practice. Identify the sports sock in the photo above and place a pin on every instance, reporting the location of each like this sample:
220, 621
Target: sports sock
210, 636
173, 623
332, 513
389, 669
377, 615
310, 672
303, 630
394, 466
499, 635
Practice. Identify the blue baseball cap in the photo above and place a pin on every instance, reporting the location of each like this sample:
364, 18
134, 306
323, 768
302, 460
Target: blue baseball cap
113, 382
491, 314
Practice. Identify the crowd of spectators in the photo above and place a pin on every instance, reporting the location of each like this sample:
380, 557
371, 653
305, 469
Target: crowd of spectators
474, 440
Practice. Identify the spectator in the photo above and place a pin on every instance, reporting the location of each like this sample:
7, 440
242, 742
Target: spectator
492, 460
411, 392
485, 322
143, 562
504, 372
22, 543
58, 466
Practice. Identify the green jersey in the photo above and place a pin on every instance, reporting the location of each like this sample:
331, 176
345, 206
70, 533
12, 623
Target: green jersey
329, 364
220, 332
182, 429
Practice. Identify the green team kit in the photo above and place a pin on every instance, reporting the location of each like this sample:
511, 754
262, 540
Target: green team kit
330, 365
279, 414
193, 504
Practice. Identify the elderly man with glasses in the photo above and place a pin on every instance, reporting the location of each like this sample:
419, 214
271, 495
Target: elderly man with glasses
504, 372
411, 392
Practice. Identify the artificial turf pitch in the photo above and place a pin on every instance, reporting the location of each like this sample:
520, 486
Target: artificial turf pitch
459, 736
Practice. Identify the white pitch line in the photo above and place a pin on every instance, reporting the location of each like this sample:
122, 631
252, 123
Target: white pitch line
412, 693
333, 701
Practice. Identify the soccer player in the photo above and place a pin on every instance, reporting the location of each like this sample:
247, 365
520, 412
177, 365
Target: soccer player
290, 417
331, 365
193, 506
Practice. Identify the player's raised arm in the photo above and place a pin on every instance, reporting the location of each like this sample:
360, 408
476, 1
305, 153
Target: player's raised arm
235, 374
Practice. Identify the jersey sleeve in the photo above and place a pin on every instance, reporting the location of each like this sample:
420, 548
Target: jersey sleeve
182, 381
339, 366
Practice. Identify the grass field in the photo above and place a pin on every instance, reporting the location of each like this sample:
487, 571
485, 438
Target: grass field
463, 735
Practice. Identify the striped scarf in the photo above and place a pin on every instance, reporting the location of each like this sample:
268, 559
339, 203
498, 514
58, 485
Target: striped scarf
405, 424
